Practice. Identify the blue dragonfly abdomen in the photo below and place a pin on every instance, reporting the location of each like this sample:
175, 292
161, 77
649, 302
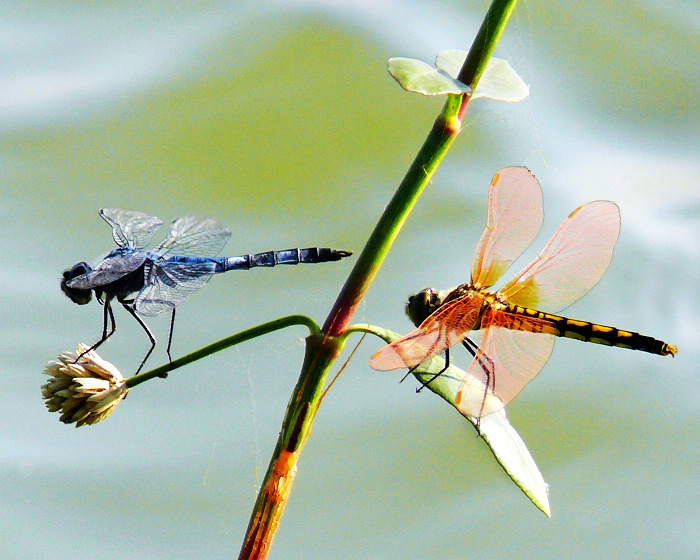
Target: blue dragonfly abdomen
309, 255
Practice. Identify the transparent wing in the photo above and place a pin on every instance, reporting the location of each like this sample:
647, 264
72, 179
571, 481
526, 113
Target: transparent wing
111, 268
512, 358
514, 218
447, 326
129, 228
168, 284
573, 261
190, 236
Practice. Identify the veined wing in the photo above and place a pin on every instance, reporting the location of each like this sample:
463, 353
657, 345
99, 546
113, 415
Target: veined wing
514, 218
129, 228
168, 284
573, 261
505, 362
447, 326
190, 236
111, 268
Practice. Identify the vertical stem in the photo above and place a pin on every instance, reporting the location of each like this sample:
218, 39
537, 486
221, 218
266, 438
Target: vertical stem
322, 349
444, 131
440, 138
485, 41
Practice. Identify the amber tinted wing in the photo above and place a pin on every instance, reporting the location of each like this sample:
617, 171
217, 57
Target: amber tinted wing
573, 261
447, 326
514, 218
505, 362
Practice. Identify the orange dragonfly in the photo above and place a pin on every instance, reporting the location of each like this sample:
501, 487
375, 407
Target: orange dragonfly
517, 339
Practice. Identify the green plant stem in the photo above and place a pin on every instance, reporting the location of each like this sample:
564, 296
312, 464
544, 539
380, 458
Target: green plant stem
440, 138
224, 343
323, 348
485, 41
444, 131
321, 351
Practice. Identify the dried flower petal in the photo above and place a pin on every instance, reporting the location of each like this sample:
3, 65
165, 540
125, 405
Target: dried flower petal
84, 389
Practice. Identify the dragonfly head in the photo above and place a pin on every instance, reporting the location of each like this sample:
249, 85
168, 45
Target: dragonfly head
422, 304
79, 296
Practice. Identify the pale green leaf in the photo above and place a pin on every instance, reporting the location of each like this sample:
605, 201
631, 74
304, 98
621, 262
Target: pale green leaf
498, 82
511, 453
451, 61
419, 77
504, 442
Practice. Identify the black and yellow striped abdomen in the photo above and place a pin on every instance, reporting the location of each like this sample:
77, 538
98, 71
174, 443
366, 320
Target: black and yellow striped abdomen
523, 318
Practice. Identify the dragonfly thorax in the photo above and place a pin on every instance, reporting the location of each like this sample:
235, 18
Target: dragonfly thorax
423, 304
106, 288
123, 287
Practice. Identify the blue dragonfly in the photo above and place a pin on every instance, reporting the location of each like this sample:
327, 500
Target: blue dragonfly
150, 282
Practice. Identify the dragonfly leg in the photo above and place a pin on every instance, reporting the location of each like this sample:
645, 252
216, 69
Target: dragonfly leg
487, 368
471, 347
144, 326
435, 375
170, 335
108, 318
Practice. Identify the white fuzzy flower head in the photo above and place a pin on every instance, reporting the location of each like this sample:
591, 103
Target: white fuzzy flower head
83, 391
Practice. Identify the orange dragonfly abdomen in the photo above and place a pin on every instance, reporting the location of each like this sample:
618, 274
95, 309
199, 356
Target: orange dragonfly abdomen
516, 317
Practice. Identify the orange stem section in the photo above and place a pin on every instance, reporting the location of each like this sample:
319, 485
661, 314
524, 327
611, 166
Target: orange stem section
276, 491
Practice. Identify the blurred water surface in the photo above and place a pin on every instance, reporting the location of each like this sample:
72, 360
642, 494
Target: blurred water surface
280, 120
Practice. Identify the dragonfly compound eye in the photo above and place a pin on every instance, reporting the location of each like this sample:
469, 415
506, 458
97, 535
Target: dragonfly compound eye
422, 304
77, 295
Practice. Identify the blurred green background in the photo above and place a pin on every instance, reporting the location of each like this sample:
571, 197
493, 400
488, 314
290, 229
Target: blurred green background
279, 119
